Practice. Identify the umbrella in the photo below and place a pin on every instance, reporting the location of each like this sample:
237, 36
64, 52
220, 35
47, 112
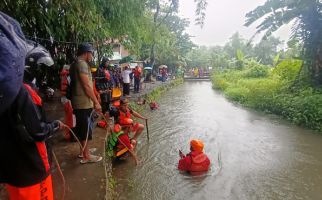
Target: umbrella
163, 66
148, 68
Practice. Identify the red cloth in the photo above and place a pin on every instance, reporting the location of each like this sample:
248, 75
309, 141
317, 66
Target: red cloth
137, 73
102, 124
69, 120
194, 162
39, 191
35, 97
64, 81
107, 75
124, 139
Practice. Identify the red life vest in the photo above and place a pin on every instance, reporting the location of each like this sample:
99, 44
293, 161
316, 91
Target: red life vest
137, 73
41, 146
23, 141
34, 96
199, 162
124, 115
107, 75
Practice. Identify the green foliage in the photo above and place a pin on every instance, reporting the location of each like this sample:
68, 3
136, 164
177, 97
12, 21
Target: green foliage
266, 50
200, 12
276, 59
271, 93
237, 53
288, 69
237, 93
304, 108
257, 71
111, 143
307, 27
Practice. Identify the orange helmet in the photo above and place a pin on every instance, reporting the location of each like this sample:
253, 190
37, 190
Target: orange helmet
197, 145
126, 121
117, 128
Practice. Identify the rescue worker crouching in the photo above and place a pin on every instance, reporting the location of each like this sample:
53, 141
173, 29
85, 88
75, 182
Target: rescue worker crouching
125, 113
196, 160
25, 169
124, 144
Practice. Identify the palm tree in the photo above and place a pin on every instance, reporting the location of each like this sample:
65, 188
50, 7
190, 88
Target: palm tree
306, 16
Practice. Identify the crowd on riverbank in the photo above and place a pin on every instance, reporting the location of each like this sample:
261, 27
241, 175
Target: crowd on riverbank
27, 132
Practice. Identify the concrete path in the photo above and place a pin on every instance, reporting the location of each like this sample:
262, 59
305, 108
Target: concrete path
86, 181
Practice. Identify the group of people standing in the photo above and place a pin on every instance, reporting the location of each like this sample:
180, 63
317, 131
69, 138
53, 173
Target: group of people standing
25, 136
197, 72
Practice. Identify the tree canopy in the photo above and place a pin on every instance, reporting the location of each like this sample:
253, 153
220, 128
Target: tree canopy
306, 16
141, 25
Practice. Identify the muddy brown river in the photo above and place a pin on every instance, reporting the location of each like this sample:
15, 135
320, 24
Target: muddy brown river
253, 155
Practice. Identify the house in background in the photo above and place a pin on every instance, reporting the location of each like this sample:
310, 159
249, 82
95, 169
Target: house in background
119, 50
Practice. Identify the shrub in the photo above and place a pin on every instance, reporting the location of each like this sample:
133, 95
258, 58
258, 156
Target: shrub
237, 93
257, 71
255, 88
288, 69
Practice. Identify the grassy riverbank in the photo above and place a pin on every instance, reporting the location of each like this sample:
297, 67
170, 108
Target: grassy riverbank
272, 90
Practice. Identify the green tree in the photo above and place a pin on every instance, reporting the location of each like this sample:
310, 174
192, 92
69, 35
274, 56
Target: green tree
236, 42
266, 50
307, 27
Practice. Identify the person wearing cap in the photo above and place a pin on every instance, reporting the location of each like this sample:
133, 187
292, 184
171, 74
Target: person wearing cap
196, 160
83, 100
125, 114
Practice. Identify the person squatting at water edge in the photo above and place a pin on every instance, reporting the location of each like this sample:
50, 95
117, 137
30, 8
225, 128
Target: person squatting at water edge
125, 113
125, 145
83, 100
196, 160
25, 167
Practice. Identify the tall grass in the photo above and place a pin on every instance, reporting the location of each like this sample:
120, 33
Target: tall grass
270, 90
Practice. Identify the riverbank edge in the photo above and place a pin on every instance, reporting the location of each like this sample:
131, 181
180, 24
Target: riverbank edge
288, 106
153, 95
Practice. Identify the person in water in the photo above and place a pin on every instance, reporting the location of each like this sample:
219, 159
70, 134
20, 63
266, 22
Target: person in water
196, 160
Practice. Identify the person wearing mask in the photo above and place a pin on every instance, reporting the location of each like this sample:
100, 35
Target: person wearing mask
25, 167
196, 160
126, 81
83, 100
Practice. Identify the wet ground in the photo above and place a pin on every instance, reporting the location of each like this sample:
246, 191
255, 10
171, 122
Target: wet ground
254, 155
81, 181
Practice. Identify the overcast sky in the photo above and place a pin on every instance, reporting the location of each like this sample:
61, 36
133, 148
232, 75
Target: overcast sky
223, 19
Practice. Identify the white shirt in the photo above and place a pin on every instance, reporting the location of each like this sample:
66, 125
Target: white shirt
126, 76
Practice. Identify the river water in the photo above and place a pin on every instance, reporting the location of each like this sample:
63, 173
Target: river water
253, 155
